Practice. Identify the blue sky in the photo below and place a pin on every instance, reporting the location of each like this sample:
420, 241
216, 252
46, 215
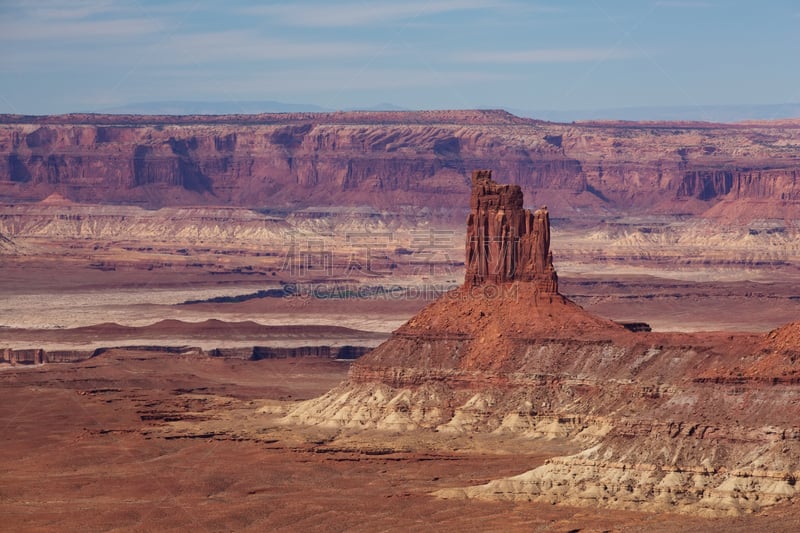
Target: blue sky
63, 56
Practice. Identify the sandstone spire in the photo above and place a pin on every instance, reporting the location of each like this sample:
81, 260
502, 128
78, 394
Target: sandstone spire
506, 242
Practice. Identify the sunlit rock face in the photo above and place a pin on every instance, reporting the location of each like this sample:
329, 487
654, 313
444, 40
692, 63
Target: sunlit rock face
505, 241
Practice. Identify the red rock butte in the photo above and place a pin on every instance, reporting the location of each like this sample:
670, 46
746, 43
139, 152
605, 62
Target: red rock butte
700, 423
506, 242
510, 293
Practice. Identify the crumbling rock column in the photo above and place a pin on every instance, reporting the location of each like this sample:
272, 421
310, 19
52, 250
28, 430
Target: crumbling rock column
506, 242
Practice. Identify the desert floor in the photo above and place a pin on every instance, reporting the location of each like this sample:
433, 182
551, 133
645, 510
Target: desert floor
156, 442
148, 441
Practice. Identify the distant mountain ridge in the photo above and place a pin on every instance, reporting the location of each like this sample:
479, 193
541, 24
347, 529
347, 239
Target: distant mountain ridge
179, 107
705, 113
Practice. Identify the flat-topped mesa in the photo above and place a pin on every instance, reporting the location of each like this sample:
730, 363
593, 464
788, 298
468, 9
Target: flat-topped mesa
506, 242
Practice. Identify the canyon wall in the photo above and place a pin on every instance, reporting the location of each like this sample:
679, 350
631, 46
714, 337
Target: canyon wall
256, 353
398, 158
39, 356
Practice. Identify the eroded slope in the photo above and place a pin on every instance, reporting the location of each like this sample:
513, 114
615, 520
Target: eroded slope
703, 423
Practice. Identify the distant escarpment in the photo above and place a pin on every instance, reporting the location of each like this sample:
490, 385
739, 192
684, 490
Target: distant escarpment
699, 423
239, 340
39, 356
386, 159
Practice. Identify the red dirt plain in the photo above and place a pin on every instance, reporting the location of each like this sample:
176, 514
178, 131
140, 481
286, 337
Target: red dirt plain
156, 442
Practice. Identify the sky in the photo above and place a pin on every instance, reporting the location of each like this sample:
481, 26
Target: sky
61, 56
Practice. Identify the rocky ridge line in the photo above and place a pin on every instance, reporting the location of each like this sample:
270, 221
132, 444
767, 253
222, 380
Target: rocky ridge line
402, 159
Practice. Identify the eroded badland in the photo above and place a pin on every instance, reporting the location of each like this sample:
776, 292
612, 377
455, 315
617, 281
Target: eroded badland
189, 302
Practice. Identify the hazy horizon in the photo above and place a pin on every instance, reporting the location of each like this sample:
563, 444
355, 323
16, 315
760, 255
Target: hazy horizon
62, 57
728, 113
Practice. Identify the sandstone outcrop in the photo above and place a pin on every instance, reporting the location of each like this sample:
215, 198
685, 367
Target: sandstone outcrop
71, 345
506, 242
398, 158
699, 423
257, 353
39, 356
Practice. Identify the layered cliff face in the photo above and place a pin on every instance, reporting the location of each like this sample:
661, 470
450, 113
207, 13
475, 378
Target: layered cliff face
390, 159
701, 423
284, 160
